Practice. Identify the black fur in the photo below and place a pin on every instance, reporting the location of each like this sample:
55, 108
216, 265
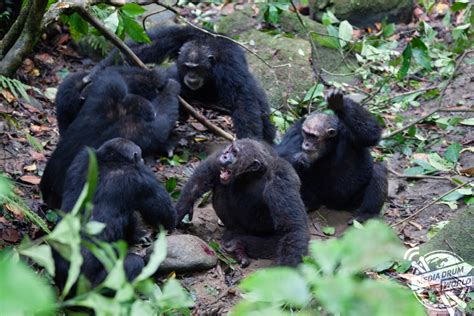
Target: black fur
340, 173
222, 66
125, 185
259, 203
110, 111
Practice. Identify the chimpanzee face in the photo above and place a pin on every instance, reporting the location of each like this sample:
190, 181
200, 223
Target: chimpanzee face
241, 156
120, 150
195, 62
318, 131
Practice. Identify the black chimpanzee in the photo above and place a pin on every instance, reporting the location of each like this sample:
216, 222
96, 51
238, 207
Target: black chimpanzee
150, 84
125, 185
110, 111
213, 71
331, 155
256, 195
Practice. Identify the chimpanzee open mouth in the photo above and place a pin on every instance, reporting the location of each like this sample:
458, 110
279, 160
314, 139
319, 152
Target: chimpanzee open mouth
225, 175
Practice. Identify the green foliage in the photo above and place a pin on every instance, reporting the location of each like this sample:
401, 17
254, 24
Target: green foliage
330, 280
23, 291
270, 11
16, 87
120, 21
115, 295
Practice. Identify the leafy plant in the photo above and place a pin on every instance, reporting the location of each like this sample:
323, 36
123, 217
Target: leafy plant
270, 11
330, 280
16, 87
141, 296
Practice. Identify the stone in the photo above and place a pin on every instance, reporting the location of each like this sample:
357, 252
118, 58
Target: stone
363, 13
187, 253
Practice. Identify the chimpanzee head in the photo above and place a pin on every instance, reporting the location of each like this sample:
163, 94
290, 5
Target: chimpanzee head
241, 157
120, 150
195, 62
320, 132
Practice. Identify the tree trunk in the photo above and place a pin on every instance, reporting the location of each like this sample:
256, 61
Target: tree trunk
25, 36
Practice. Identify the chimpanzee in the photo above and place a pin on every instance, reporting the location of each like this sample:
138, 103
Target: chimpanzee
150, 84
256, 195
331, 155
213, 71
110, 111
125, 185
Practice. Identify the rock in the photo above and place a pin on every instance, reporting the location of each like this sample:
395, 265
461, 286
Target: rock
294, 76
187, 253
456, 236
363, 12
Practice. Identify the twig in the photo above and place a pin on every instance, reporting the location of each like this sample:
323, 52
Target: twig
212, 34
441, 97
432, 203
420, 176
202, 119
137, 62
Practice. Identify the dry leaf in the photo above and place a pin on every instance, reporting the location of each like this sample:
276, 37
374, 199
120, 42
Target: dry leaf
31, 179
10, 235
15, 210
30, 168
416, 225
37, 156
467, 171
8, 95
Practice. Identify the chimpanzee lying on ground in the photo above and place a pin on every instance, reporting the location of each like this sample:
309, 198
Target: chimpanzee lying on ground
125, 185
110, 111
331, 155
256, 195
211, 70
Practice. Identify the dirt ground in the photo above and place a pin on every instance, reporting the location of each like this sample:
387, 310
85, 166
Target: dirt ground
215, 290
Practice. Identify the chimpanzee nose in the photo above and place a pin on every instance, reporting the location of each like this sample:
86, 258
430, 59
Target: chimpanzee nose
226, 160
305, 146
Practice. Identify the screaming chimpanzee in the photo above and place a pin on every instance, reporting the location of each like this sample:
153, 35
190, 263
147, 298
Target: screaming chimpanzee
212, 70
125, 185
331, 155
256, 195
110, 111
153, 85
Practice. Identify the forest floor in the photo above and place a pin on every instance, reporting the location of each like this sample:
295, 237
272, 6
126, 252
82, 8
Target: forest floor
23, 159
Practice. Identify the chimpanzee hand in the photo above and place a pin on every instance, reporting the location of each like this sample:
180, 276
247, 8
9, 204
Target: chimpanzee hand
335, 100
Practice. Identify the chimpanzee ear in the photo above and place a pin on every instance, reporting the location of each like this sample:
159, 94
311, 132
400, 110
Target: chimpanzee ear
257, 166
331, 132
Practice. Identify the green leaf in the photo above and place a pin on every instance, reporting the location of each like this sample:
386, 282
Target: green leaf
35, 143
42, 255
406, 61
112, 22
329, 230
314, 92
413, 171
132, 9
345, 33
326, 41
174, 296
459, 5
171, 184
388, 30
468, 122
420, 53
156, 258
452, 152
278, 285
94, 227
23, 292
135, 30
77, 26
439, 163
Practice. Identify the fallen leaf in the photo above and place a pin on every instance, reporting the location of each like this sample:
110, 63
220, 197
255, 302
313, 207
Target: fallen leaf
199, 127
440, 9
31, 179
37, 156
30, 168
467, 171
10, 235
416, 225
421, 156
8, 95
15, 210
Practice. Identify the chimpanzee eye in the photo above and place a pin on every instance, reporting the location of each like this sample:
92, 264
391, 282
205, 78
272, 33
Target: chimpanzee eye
211, 58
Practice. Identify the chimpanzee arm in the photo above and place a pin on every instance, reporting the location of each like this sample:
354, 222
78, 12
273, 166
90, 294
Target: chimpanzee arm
290, 145
154, 203
282, 196
203, 179
363, 127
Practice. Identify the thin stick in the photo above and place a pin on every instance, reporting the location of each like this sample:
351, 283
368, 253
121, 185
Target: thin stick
202, 119
431, 203
441, 97
137, 61
212, 34
420, 176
